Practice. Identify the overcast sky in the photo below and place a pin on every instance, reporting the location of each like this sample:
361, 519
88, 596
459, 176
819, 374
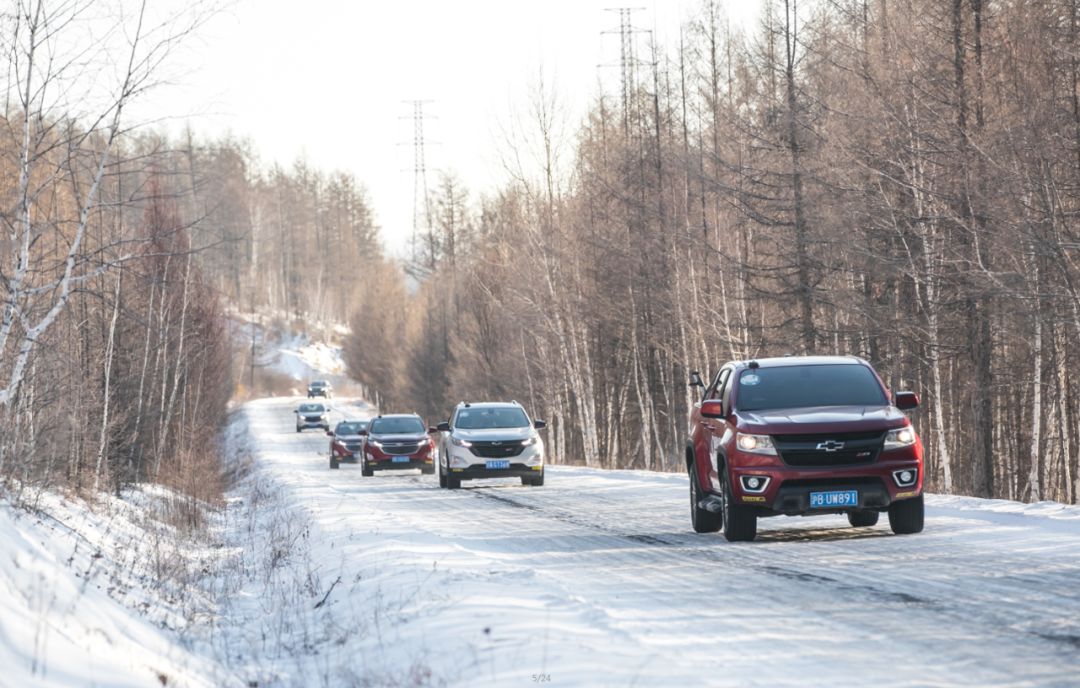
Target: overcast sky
325, 79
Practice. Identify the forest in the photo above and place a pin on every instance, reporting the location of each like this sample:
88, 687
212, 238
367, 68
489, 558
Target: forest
893, 179
124, 251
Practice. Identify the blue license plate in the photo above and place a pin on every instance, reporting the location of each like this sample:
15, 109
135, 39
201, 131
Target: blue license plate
503, 463
836, 499
401, 459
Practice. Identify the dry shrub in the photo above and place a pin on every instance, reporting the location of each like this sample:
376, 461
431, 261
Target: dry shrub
198, 485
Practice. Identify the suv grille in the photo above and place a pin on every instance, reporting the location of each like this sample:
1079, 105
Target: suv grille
498, 449
400, 448
827, 450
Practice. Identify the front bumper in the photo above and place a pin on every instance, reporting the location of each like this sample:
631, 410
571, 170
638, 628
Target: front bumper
482, 472
462, 463
388, 463
788, 490
313, 424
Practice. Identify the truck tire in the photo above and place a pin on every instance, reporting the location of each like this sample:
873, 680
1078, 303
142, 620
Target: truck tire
740, 523
907, 515
702, 520
862, 518
533, 480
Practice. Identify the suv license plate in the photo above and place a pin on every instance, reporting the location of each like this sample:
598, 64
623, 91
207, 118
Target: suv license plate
498, 464
401, 459
835, 499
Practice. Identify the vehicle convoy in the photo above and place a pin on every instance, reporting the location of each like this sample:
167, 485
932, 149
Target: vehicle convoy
313, 415
490, 440
397, 441
802, 436
319, 388
346, 442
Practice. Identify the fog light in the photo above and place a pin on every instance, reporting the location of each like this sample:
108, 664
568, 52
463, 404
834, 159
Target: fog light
754, 483
905, 477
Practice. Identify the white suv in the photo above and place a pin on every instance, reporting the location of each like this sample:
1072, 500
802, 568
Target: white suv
490, 440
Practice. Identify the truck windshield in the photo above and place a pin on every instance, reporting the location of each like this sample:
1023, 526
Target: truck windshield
807, 386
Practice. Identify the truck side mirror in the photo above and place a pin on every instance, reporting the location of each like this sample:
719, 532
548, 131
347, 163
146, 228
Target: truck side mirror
905, 401
713, 408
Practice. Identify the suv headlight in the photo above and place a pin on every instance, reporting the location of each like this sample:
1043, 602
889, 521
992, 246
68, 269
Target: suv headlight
755, 444
458, 442
528, 442
901, 437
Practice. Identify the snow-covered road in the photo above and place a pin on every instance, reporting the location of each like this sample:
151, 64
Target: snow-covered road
596, 579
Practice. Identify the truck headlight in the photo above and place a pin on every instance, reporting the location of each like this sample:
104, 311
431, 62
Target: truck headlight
901, 437
755, 444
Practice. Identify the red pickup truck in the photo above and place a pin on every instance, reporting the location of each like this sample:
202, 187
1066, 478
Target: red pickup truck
800, 436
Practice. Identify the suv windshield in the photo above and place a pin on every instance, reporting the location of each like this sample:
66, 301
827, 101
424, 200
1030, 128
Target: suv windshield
486, 418
394, 426
311, 408
806, 386
350, 428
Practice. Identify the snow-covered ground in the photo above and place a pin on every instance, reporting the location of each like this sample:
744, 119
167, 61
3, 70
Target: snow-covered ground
596, 579
98, 597
313, 577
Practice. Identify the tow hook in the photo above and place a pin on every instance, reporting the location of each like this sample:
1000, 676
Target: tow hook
712, 504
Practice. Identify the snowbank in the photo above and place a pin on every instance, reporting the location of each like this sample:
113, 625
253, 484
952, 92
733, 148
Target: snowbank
94, 598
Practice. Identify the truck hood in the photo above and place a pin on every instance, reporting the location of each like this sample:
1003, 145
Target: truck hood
821, 419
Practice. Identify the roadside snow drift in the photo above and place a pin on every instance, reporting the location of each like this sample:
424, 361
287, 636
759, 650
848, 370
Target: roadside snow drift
81, 603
